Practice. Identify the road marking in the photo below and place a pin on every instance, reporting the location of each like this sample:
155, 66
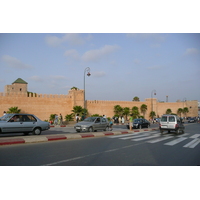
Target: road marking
195, 136
193, 143
160, 139
148, 137
175, 141
122, 135
137, 136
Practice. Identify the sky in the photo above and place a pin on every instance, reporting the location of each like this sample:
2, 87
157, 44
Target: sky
122, 65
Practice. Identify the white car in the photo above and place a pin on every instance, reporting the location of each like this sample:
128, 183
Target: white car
22, 123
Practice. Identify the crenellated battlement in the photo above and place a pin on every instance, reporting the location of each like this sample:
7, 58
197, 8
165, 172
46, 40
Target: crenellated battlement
35, 95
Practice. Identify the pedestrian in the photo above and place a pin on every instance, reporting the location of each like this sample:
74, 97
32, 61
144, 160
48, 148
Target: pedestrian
4, 113
77, 118
130, 123
61, 119
56, 120
82, 117
122, 120
110, 124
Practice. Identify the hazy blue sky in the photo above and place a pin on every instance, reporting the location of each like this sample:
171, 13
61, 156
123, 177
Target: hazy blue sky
122, 66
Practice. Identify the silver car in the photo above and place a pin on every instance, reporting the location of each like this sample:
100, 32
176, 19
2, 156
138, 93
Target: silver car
92, 124
22, 123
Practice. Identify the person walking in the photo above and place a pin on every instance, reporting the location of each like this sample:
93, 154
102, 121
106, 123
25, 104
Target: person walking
110, 125
122, 118
61, 119
130, 122
77, 118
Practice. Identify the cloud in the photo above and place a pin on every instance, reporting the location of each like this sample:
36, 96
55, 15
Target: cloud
191, 51
144, 36
72, 54
99, 74
97, 54
15, 63
36, 78
71, 38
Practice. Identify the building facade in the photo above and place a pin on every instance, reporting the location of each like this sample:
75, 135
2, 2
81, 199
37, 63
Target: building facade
43, 105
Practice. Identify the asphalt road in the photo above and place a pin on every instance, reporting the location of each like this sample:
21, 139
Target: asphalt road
138, 149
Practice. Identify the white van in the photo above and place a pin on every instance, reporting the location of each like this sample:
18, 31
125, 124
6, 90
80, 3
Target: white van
171, 123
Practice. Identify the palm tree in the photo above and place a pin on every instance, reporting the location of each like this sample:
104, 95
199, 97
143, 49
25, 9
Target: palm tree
135, 112
118, 110
179, 111
14, 110
77, 110
152, 114
69, 117
143, 109
185, 111
126, 111
136, 99
74, 88
168, 111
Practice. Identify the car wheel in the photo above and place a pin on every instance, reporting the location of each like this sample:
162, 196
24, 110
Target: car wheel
178, 131
37, 131
90, 129
106, 129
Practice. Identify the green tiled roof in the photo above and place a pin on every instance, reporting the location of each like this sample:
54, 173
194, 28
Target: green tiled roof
19, 80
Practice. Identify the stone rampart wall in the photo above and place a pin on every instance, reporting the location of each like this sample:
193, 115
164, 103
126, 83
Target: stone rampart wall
43, 105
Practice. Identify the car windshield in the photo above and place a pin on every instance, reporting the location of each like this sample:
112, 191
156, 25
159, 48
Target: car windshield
90, 119
6, 117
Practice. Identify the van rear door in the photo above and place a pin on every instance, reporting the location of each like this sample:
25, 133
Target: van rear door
164, 122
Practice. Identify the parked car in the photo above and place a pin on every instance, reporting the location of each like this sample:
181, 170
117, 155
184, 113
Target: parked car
192, 120
22, 123
140, 123
171, 123
91, 124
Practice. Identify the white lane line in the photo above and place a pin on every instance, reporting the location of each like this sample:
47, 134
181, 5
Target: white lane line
195, 136
160, 139
184, 134
193, 143
176, 141
122, 135
148, 137
139, 136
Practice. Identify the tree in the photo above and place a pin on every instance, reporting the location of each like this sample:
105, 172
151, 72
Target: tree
77, 110
179, 111
69, 117
74, 88
14, 110
152, 114
118, 110
143, 109
136, 99
168, 111
126, 111
135, 112
185, 111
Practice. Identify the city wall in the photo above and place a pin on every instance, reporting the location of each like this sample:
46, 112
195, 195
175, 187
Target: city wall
43, 105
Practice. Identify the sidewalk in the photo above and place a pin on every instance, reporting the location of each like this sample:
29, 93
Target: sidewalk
67, 136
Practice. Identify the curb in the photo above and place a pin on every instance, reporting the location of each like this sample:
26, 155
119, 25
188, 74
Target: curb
48, 138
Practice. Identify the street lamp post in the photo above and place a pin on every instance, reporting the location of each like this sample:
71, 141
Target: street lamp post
153, 92
88, 74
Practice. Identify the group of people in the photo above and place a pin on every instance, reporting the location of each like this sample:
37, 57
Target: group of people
58, 120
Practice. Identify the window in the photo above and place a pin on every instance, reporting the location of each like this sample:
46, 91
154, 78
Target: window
164, 119
171, 119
